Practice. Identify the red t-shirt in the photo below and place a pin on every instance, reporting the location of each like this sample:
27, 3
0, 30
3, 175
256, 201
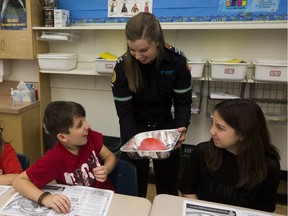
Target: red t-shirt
66, 168
9, 162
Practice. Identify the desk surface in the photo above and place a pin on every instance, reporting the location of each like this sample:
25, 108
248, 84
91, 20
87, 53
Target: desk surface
120, 205
169, 205
7, 108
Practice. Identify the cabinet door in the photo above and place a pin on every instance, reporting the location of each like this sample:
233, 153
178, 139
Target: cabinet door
22, 44
23, 132
4, 45
16, 44
12, 130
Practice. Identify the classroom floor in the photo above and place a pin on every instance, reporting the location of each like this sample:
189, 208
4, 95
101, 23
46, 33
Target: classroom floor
280, 209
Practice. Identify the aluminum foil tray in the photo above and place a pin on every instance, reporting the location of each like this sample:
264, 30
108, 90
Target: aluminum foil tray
168, 137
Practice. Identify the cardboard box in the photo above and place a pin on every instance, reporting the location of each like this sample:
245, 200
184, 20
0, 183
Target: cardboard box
61, 18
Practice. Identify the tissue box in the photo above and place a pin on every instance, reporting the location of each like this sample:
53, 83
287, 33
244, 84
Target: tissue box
61, 18
23, 95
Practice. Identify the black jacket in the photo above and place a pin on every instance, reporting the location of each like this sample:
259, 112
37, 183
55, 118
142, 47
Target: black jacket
171, 84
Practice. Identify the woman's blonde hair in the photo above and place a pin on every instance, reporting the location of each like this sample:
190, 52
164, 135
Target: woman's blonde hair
142, 26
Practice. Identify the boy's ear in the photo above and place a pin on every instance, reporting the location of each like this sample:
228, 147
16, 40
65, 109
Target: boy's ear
61, 137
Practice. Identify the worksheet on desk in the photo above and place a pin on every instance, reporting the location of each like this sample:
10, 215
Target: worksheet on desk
191, 208
194, 208
4, 188
84, 201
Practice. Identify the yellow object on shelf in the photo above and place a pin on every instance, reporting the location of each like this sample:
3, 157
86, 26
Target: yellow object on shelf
234, 60
107, 55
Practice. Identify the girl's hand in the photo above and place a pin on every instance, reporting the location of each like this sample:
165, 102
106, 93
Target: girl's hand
100, 173
182, 130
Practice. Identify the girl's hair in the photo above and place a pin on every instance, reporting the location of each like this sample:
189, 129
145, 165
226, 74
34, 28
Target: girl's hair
142, 26
59, 116
247, 119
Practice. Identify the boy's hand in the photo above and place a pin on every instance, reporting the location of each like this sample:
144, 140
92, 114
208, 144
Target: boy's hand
100, 173
60, 203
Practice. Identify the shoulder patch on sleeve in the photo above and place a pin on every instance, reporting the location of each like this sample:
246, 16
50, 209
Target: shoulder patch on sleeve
173, 49
121, 58
188, 67
113, 77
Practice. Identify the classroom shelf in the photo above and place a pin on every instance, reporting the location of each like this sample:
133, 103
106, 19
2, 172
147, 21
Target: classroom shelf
178, 26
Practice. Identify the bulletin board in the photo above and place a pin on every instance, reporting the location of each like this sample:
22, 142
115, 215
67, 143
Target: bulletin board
96, 11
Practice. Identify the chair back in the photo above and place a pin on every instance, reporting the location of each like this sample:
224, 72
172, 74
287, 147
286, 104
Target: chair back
24, 160
124, 178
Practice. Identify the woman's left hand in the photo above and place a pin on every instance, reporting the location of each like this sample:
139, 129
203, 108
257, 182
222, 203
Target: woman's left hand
182, 130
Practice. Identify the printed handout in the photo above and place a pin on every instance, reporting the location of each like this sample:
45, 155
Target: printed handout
3, 189
191, 208
84, 201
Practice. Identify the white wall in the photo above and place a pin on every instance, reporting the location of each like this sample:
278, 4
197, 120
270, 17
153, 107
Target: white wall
26, 70
94, 92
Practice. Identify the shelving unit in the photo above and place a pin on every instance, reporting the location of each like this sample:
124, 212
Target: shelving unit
179, 26
272, 98
197, 89
221, 90
246, 40
197, 95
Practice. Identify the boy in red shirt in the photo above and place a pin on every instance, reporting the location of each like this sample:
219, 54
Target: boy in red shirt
78, 158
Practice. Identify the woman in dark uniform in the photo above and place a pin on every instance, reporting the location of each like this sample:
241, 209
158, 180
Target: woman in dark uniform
150, 78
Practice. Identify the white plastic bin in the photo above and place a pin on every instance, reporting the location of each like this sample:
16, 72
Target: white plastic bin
226, 69
196, 66
271, 70
104, 66
57, 61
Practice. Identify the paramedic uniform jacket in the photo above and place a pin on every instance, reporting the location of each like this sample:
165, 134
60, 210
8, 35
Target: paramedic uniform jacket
170, 84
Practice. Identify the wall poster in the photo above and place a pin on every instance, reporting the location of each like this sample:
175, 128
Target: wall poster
128, 8
226, 6
13, 15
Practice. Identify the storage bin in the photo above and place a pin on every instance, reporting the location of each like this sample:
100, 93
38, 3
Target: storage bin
196, 66
105, 66
228, 69
271, 70
57, 61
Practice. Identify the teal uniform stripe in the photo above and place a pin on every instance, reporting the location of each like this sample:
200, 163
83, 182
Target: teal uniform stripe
180, 91
121, 99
